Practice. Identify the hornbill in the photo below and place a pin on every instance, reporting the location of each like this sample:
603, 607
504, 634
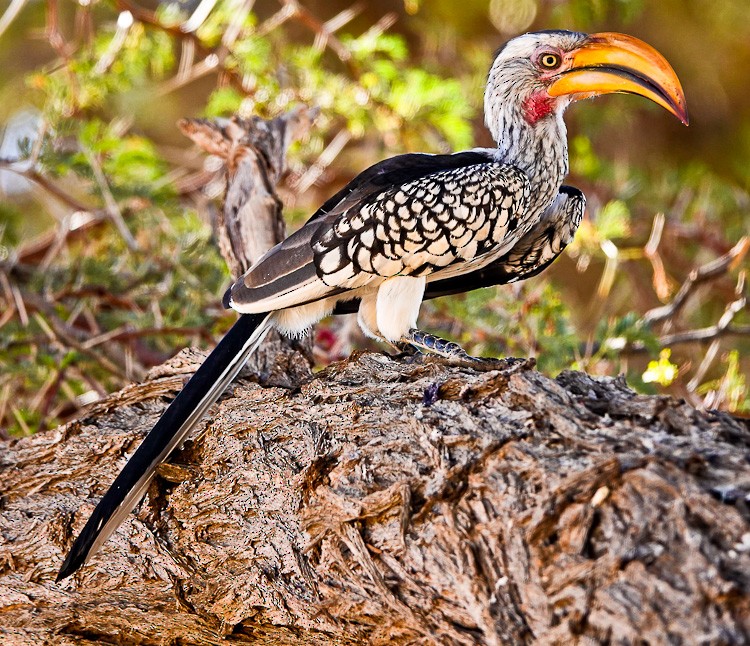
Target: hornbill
416, 226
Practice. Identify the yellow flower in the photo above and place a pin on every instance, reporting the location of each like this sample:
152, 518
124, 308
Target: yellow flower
663, 371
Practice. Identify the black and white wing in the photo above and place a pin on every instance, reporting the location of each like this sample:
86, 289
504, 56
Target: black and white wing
533, 253
410, 215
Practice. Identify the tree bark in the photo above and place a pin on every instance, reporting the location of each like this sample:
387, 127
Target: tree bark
386, 501
253, 152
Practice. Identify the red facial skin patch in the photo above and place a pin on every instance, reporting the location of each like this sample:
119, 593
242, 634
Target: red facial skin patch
537, 106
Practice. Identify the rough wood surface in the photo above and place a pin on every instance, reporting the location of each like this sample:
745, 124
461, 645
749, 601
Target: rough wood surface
254, 153
391, 502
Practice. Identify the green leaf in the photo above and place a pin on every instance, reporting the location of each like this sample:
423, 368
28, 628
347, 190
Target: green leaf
613, 221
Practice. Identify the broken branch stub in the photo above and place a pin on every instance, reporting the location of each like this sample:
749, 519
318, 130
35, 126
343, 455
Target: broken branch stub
254, 153
251, 219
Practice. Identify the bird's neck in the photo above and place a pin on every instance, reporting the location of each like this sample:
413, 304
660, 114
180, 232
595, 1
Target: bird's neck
537, 147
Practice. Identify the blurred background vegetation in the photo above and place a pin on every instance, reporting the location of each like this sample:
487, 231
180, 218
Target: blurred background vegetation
108, 264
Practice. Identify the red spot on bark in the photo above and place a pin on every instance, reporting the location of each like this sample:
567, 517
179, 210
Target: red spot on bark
538, 105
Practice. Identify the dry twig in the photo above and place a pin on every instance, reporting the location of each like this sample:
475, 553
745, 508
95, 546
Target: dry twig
714, 269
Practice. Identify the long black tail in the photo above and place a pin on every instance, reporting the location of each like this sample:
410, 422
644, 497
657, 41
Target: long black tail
203, 389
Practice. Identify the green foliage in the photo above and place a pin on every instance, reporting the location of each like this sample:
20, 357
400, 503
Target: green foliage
406, 105
733, 385
131, 162
83, 84
168, 284
584, 161
223, 101
613, 221
625, 331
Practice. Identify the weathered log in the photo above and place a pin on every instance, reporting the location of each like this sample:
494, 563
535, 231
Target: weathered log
389, 501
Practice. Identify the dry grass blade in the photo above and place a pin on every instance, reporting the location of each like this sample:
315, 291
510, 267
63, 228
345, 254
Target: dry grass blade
10, 14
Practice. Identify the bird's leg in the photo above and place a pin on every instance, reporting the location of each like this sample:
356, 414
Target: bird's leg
424, 341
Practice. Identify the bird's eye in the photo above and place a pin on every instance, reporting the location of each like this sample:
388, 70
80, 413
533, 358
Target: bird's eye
549, 60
